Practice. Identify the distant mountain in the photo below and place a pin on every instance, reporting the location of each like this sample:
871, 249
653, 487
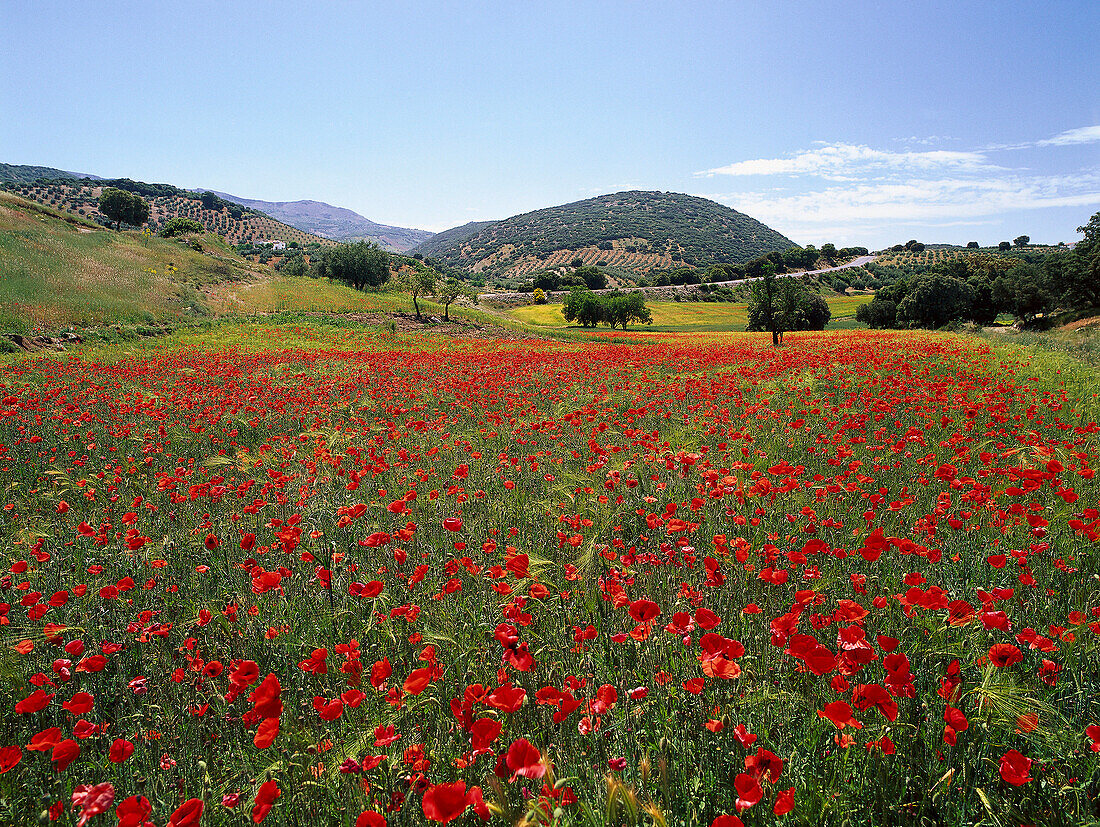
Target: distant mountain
23, 174
633, 231
337, 223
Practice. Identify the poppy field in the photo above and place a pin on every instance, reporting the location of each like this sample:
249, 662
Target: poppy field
321, 577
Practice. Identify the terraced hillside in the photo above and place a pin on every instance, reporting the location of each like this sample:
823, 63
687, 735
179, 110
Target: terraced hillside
233, 222
634, 231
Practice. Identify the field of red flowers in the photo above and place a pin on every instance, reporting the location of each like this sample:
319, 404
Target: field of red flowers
850, 581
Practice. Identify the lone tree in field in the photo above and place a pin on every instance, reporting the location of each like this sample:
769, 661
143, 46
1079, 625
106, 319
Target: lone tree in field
780, 305
422, 285
1021, 240
451, 291
120, 205
361, 264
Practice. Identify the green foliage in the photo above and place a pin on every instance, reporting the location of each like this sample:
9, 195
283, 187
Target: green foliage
1023, 291
360, 264
179, 226
613, 309
778, 305
935, 300
1021, 240
978, 286
594, 278
453, 290
696, 229
422, 284
119, 206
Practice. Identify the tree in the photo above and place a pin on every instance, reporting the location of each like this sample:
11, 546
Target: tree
1074, 275
539, 297
781, 305
423, 284
1004, 245
816, 312
972, 245
828, 251
878, 313
120, 205
453, 290
585, 307
360, 264
1021, 240
935, 300
1023, 291
762, 305
623, 309
595, 279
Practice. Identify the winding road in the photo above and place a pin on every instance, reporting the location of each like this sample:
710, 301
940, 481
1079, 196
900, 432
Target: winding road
856, 262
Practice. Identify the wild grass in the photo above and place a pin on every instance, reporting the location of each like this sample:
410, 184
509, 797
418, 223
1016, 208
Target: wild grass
59, 272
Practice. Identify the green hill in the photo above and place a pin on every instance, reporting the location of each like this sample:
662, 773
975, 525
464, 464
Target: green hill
24, 174
58, 270
635, 232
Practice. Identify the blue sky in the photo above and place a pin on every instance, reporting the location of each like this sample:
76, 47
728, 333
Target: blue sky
853, 122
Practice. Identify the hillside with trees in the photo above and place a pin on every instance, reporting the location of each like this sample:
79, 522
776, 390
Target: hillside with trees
977, 286
632, 232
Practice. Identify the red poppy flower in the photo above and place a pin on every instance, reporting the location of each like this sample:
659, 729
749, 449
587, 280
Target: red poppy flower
265, 799
483, 732
189, 813
525, 760
92, 800
1004, 654
445, 802
840, 714
9, 757
370, 818
266, 733
418, 680
784, 802
134, 811
266, 698
35, 702
748, 790
64, 753
121, 749
453, 524
79, 704
1015, 768
45, 740
727, 821
644, 610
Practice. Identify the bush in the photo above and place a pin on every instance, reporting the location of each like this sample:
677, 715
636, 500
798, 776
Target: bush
180, 226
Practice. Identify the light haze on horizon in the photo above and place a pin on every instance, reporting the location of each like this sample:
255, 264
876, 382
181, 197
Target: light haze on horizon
851, 122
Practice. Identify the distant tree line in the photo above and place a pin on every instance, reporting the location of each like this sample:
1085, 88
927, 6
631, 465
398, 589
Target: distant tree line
613, 309
591, 277
977, 288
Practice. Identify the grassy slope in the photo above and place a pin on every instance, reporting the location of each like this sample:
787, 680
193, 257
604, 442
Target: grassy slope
686, 316
58, 271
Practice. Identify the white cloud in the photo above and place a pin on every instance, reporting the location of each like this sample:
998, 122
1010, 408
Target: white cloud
1081, 135
942, 200
841, 160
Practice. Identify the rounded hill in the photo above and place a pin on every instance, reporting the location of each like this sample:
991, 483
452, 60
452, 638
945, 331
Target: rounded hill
635, 231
